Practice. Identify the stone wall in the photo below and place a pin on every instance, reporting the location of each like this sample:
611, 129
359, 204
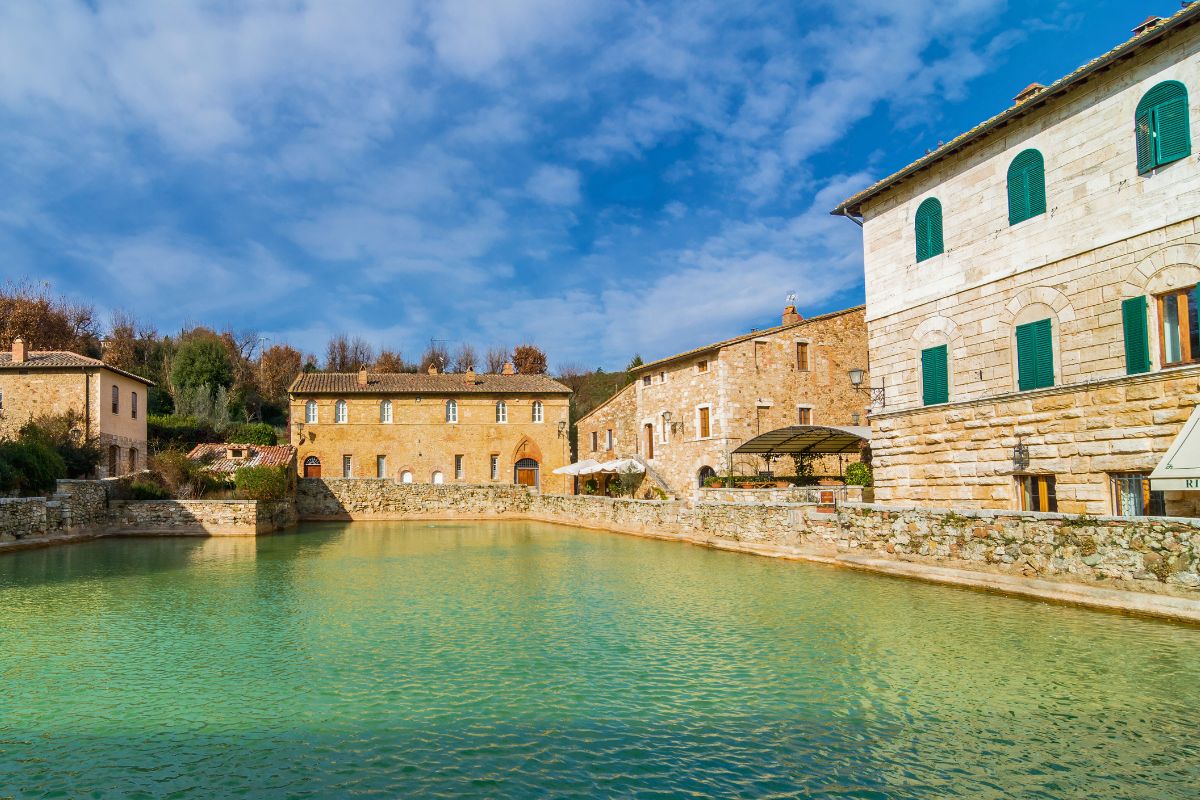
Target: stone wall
201, 517
22, 517
1147, 554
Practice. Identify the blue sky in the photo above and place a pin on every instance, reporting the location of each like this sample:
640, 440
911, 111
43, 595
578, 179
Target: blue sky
601, 178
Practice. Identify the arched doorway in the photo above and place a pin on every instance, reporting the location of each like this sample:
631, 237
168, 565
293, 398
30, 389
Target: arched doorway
705, 473
114, 456
438, 478
312, 467
525, 472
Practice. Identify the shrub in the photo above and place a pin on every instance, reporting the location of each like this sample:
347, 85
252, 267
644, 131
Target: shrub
858, 474
183, 478
31, 467
147, 490
591, 486
63, 433
176, 432
252, 433
261, 483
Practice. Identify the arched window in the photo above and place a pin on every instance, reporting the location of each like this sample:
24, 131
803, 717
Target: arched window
438, 478
385, 411
310, 413
705, 473
406, 476
538, 414
1161, 126
1026, 186
501, 411
929, 229
312, 467
339, 411
935, 375
451, 411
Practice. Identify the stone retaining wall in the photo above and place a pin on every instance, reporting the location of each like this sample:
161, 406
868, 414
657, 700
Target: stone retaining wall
1147, 554
202, 517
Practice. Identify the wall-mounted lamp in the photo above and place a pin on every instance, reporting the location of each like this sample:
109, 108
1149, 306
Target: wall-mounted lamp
876, 393
1020, 456
562, 429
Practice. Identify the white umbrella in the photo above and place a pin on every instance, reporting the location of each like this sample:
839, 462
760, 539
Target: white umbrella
621, 466
579, 468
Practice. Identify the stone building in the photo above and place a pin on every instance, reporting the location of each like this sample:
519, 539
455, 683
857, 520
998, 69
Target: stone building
432, 428
111, 403
1030, 288
684, 415
225, 459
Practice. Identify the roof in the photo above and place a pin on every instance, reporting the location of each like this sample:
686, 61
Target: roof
1181, 19
708, 348
445, 383
63, 359
276, 455
808, 439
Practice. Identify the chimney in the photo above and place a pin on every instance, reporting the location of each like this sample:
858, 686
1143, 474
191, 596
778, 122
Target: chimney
469, 376
362, 377
1146, 24
1029, 91
433, 370
790, 316
509, 369
19, 353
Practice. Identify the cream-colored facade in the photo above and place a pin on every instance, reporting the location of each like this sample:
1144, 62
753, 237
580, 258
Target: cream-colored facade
684, 415
1110, 235
111, 403
432, 428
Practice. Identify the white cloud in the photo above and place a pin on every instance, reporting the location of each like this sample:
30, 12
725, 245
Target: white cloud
555, 185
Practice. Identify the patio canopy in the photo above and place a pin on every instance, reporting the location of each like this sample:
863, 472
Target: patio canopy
589, 466
578, 468
1180, 467
814, 439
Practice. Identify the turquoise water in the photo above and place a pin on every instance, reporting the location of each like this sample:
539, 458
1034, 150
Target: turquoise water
528, 660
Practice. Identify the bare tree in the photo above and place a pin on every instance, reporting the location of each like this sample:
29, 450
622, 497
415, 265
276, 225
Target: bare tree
46, 322
343, 354
436, 355
390, 361
529, 359
496, 358
465, 358
571, 370
278, 366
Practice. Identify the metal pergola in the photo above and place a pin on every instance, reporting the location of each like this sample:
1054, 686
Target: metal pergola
807, 440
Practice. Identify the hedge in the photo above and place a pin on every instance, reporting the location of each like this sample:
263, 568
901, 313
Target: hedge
261, 483
252, 433
175, 432
30, 467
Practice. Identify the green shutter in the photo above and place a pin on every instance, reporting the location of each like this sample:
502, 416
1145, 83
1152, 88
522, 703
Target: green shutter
929, 229
1035, 355
1137, 343
935, 382
1162, 127
1026, 186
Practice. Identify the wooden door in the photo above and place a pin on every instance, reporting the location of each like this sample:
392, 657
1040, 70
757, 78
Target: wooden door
649, 441
312, 467
527, 472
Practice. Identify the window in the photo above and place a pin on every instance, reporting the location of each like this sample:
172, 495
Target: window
451, 411
1133, 497
1037, 493
608, 440
339, 411
501, 411
1137, 343
116, 400
495, 467
385, 411
703, 422
406, 476
804, 415
802, 356
380, 466
935, 379
347, 467
1179, 334
1161, 126
702, 366
929, 229
458, 467
646, 381
1035, 355
538, 413
310, 411
1026, 186
438, 478
133, 404
665, 427
1, 401
595, 441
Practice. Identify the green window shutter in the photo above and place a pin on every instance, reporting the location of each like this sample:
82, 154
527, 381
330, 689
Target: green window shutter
929, 229
1137, 342
1162, 126
935, 382
1035, 355
1026, 186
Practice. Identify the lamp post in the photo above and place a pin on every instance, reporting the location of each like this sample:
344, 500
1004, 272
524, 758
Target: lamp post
876, 393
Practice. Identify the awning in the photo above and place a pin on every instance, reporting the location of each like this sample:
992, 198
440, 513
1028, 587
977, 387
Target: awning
589, 466
1180, 467
578, 467
802, 439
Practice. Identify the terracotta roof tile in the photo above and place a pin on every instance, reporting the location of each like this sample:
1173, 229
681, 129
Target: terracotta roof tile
424, 383
1062, 85
280, 455
62, 359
